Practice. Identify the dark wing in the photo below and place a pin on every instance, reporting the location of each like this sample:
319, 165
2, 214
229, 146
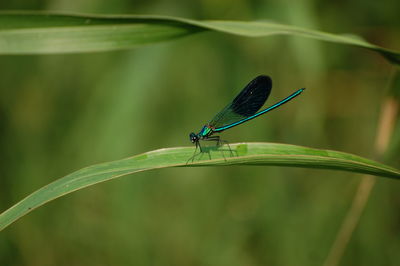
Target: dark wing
246, 104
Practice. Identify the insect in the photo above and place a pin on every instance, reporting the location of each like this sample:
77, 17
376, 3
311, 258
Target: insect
242, 109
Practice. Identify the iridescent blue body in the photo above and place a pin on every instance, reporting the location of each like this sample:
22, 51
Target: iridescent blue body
242, 109
205, 132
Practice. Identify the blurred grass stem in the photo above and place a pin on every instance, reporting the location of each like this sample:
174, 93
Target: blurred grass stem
387, 121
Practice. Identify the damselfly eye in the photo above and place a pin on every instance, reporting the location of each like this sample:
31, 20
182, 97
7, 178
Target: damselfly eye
193, 137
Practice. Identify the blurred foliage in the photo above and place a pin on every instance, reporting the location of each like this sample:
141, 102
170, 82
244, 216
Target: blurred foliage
59, 113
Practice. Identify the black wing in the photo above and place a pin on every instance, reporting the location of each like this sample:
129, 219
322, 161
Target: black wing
247, 103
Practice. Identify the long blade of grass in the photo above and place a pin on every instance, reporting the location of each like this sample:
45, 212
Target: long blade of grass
42, 33
262, 154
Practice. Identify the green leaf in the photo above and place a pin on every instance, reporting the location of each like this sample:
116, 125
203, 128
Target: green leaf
41, 33
238, 154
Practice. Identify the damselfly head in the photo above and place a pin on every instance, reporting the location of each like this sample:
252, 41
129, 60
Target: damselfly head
193, 137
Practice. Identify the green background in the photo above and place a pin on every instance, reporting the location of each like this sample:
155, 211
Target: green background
59, 113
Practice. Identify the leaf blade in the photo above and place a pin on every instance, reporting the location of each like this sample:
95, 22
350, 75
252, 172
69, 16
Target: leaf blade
43, 32
266, 154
